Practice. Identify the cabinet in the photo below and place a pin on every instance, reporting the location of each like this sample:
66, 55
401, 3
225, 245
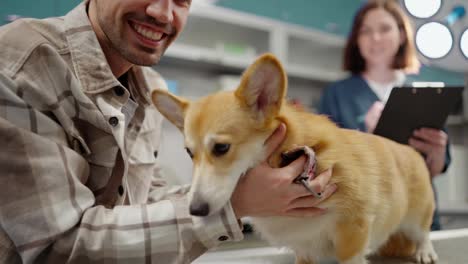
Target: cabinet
227, 41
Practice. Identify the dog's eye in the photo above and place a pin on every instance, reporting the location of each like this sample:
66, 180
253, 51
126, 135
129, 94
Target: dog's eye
220, 149
189, 152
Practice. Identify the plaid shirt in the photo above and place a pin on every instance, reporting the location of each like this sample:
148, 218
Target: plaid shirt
78, 185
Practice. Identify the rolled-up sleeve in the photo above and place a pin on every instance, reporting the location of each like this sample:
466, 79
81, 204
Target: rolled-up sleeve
197, 234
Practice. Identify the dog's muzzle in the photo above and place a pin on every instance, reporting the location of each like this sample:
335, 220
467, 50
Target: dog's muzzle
198, 208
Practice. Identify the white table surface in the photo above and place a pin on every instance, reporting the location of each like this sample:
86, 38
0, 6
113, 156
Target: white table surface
450, 245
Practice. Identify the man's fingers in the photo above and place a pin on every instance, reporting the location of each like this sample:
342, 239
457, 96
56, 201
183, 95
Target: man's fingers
295, 168
328, 191
318, 184
275, 139
310, 200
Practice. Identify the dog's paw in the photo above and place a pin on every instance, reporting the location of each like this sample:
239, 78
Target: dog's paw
426, 254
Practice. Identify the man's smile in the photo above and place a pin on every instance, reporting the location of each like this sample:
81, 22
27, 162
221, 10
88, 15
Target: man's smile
148, 35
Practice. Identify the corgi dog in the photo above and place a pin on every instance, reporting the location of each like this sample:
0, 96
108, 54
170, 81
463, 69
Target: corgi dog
384, 187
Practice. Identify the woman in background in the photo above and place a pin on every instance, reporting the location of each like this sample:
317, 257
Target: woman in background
378, 53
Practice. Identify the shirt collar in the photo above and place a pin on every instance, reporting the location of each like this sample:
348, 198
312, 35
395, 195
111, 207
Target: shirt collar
89, 61
87, 56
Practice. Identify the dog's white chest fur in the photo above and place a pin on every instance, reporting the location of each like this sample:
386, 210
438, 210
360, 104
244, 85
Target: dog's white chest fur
307, 237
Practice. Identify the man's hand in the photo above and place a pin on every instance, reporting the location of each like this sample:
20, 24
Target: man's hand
266, 191
432, 143
373, 115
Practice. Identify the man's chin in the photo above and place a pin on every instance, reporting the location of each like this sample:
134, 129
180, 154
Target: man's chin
145, 61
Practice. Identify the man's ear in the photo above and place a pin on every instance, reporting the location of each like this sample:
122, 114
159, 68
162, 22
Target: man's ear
170, 106
263, 87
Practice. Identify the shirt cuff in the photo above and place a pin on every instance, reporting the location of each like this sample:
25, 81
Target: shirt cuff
214, 229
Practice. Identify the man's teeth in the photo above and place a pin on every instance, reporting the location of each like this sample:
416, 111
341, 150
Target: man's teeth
148, 33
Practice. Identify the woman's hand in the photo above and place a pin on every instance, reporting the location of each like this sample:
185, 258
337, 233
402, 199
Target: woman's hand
267, 191
432, 143
373, 115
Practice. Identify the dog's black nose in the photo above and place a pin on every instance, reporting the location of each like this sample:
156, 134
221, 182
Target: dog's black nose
199, 209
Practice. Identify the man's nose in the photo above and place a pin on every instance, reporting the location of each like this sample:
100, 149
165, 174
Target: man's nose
161, 10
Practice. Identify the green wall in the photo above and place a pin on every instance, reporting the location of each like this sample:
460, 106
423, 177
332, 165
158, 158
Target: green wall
35, 8
432, 74
326, 15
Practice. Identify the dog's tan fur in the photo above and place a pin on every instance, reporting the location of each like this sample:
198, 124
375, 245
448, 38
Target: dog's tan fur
383, 187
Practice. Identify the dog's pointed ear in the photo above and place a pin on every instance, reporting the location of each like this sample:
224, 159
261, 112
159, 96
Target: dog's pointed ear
263, 87
170, 106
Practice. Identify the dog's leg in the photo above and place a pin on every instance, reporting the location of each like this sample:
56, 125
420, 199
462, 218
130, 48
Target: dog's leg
300, 260
416, 226
398, 245
358, 259
425, 252
351, 241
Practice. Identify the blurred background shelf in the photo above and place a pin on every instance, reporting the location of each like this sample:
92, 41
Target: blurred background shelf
235, 39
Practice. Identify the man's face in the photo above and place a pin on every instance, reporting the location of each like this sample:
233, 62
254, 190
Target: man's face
140, 30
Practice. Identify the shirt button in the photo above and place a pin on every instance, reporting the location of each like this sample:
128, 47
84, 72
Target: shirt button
223, 238
121, 190
113, 121
155, 153
119, 91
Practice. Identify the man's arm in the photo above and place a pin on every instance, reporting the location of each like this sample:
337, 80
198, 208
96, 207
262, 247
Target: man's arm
49, 213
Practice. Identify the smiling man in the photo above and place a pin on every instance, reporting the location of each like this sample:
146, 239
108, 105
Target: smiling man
136, 32
79, 143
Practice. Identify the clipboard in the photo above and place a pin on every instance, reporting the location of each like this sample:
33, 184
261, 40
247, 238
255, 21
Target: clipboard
410, 108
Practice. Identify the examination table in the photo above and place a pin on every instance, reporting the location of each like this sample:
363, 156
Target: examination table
450, 245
